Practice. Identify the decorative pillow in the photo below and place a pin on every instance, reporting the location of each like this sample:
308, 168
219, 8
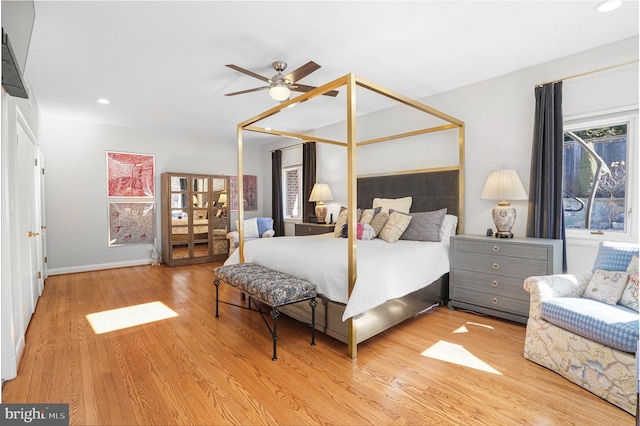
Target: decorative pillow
606, 286
448, 228
368, 233
629, 296
378, 222
345, 231
368, 214
403, 205
614, 256
395, 226
425, 226
250, 228
264, 224
342, 219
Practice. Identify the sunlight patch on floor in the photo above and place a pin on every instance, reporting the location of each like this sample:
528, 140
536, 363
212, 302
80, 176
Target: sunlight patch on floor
118, 319
457, 354
464, 328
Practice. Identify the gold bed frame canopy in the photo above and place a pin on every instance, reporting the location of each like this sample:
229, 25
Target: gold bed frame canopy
351, 81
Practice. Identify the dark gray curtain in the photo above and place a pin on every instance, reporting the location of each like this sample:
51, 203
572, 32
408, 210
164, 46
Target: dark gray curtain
276, 193
546, 211
308, 179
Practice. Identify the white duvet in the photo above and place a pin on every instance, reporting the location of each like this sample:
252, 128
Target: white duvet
385, 270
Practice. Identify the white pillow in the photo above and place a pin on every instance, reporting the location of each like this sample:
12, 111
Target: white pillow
606, 286
250, 228
403, 205
448, 227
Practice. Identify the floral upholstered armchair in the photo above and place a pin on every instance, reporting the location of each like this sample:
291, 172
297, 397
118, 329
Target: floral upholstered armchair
257, 227
585, 327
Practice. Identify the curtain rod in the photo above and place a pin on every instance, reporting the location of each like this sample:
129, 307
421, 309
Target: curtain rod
288, 147
589, 72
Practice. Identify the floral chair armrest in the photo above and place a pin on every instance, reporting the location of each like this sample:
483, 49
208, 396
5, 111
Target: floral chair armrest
269, 233
234, 239
547, 287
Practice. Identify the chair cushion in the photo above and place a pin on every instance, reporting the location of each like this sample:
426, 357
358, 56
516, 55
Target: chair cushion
611, 325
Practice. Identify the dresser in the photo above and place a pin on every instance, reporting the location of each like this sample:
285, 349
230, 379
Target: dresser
306, 228
487, 274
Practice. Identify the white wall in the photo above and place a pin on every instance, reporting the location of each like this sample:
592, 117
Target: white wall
498, 116
76, 196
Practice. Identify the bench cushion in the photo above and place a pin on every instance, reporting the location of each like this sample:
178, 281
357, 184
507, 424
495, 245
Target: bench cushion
611, 325
266, 285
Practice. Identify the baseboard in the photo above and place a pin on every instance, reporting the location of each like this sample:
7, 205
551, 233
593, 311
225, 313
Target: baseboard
97, 267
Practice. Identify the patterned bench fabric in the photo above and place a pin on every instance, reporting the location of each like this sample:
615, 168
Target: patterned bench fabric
266, 285
610, 325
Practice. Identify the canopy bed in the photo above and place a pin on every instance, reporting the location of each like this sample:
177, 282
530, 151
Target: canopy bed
430, 189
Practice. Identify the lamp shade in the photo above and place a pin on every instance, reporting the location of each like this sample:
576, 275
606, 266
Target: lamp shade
505, 185
321, 192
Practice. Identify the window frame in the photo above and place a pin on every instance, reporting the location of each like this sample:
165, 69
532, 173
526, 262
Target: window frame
286, 169
628, 116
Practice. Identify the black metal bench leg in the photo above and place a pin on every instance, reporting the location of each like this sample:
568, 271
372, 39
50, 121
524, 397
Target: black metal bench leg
313, 304
275, 314
216, 282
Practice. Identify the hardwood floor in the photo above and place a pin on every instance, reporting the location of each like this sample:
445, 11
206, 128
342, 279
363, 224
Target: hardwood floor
442, 368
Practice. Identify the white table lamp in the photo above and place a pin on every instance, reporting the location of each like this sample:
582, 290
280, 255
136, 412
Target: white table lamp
504, 185
319, 194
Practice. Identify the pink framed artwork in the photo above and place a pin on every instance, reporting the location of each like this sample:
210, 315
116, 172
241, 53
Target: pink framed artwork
130, 175
250, 192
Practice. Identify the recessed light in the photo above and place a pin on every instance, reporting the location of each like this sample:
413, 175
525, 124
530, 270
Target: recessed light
103, 101
608, 6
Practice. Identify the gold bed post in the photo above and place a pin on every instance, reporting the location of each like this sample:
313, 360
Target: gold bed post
352, 201
240, 198
461, 179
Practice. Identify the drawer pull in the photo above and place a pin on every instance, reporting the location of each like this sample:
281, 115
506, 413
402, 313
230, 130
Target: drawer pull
495, 266
494, 300
496, 248
494, 283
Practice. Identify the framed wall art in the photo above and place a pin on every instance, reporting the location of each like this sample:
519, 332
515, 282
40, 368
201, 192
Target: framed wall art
132, 223
130, 175
250, 192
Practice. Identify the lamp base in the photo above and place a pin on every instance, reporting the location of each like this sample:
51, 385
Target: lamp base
500, 234
321, 212
504, 216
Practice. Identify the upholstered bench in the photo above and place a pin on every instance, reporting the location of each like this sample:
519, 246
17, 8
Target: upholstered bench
269, 287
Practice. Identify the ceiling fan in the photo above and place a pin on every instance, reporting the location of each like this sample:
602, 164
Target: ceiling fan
280, 86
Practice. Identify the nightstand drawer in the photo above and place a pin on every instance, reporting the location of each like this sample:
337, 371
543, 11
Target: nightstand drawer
490, 284
495, 247
494, 301
313, 228
515, 267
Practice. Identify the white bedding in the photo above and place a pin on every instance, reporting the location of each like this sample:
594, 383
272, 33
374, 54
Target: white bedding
385, 270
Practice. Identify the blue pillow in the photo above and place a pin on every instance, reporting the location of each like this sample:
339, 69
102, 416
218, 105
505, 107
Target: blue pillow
264, 224
614, 256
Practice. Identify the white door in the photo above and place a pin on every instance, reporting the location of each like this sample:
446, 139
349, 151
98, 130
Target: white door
28, 225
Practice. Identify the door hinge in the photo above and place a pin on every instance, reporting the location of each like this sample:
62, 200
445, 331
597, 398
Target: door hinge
46, 259
39, 275
36, 160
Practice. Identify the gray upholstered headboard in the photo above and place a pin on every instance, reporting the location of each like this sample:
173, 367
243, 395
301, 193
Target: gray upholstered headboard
429, 190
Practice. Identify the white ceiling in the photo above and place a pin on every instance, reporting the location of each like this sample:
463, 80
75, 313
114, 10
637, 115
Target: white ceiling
162, 63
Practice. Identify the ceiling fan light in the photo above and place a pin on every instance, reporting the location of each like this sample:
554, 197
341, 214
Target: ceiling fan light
279, 92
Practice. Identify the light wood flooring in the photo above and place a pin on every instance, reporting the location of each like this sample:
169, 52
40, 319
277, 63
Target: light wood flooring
442, 368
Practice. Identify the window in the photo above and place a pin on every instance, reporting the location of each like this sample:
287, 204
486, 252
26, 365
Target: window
598, 194
292, 192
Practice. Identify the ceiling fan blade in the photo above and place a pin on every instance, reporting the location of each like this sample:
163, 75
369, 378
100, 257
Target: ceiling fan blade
302, 72
305, 88
247, 91
251, 73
